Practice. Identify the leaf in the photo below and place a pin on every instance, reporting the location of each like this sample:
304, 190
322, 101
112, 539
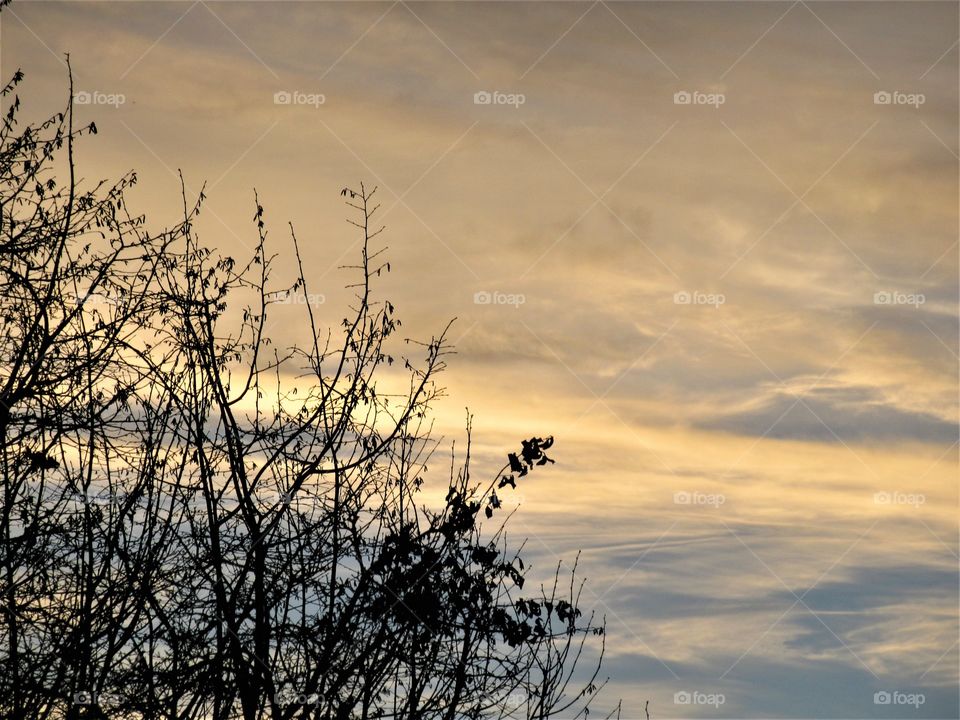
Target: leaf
41, 461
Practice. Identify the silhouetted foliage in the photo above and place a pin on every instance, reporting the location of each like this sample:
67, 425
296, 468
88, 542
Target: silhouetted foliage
197, 523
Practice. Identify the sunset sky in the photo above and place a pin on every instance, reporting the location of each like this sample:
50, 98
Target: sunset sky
737, 315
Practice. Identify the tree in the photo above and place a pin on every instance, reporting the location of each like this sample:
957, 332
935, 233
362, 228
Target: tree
198, 523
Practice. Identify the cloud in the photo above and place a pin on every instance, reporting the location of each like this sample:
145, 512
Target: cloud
847, 414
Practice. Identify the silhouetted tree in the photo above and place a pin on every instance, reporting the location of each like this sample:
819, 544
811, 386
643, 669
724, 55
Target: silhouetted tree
197, 523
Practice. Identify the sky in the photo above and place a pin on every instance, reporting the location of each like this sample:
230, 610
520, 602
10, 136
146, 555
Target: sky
710, 247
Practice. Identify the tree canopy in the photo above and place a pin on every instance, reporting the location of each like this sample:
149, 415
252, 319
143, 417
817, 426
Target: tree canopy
198, 522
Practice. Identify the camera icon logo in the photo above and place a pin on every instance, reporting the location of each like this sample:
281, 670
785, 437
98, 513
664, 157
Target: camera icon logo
282, 97
482, 298
82, 98
681, 698
515, 700
482, 98
682, 97
881, 697
681, 498
882, 97
84, 698
681, 298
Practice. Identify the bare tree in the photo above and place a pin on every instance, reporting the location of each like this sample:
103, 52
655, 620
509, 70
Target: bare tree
75, 273
198, 522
